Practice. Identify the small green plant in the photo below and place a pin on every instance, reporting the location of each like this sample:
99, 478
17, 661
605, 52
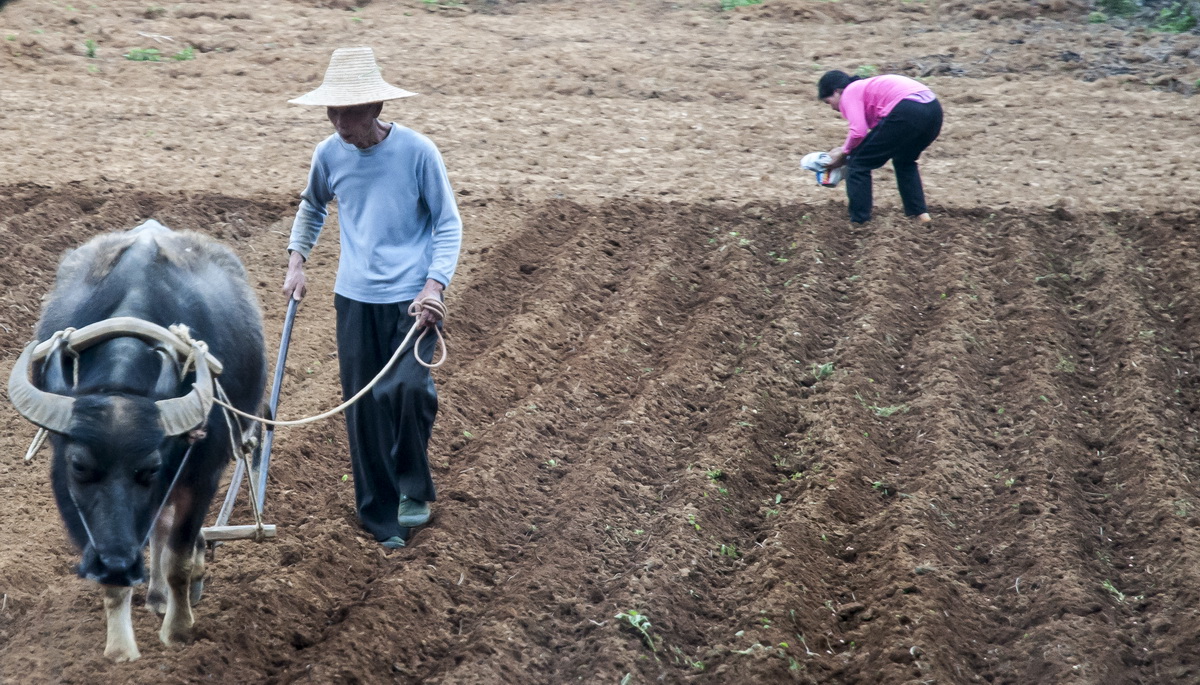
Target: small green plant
143, 55
888, 411
185, 54
822, 371
729, 551
154, 12
866, 71
715, 474
1183, 508
641, 623
691, 519
1097, 18
345, 477
1177, 18
1107, 585
728, 5
883, 488
1118, 8
89, 47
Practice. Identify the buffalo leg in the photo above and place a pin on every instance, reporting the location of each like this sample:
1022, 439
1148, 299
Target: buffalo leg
118, 609
156, 593
196, 587
177, 623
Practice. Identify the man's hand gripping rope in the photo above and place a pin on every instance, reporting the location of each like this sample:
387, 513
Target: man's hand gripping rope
422, 310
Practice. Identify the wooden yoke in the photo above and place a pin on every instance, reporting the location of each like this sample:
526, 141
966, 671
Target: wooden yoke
120, 326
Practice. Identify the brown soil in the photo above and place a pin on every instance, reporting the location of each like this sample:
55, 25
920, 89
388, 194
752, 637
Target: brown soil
995, 481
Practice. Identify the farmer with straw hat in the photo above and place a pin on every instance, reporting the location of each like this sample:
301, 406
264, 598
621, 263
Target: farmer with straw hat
400, 238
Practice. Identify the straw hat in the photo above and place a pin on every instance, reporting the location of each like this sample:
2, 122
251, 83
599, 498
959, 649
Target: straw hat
352, 78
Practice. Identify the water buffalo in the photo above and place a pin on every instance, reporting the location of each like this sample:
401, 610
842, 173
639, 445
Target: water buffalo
138, 444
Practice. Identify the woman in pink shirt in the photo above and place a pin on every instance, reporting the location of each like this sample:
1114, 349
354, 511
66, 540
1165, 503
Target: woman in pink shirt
890, 117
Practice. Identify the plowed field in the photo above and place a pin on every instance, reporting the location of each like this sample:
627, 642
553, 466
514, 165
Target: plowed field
680, 383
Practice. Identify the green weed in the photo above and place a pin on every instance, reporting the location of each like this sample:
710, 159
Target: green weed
641, 623
889, 411
1107, 585
89, 47
883, 488
143, 55
1118, 8
729, 5
1183, 508
866, 71
822, 371
185, 54
1177, 18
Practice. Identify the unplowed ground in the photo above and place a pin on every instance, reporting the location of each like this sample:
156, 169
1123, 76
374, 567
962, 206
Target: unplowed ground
680, 383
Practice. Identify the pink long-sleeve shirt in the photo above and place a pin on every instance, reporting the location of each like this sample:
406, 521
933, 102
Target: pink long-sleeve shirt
865, 103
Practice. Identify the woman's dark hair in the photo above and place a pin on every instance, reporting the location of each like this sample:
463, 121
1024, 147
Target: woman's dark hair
832, 82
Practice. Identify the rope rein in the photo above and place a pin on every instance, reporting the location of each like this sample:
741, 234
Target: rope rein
414, 309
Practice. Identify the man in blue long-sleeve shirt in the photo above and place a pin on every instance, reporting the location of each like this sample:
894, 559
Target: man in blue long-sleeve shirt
400, 238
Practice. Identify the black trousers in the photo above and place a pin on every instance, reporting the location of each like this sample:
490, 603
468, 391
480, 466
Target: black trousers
389, 427
901, 137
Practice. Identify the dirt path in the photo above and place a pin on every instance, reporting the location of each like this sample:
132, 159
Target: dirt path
680, 384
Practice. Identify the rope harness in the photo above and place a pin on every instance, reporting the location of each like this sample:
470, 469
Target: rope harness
247, 444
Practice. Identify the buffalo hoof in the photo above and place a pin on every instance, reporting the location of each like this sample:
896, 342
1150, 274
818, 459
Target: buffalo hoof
156, 601
175, 636
195, 591
122, 653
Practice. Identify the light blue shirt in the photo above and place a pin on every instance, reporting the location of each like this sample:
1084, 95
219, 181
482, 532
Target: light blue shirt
396, 211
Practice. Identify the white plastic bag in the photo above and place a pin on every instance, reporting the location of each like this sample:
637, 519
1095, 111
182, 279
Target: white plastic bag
818, 163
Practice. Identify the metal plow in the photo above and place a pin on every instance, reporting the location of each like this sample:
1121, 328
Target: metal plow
259, 462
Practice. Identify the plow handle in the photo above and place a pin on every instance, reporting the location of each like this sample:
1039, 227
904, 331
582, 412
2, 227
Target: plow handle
273, 403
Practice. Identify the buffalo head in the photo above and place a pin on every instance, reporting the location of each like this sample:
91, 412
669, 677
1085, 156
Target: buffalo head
112, 453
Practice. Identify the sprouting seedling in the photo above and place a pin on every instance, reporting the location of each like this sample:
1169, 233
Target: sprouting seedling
888, 411
143, 55
89, 46
639, 622
822, 371
1107, 585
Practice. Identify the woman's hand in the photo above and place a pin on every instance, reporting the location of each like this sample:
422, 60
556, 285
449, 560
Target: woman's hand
837, 159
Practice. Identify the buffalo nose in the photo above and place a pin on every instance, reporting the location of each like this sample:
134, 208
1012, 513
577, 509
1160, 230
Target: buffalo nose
116, 569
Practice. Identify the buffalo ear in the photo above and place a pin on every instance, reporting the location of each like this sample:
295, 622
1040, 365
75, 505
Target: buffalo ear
54, 373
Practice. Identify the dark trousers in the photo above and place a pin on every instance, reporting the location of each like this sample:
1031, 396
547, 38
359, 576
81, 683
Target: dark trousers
389, 427
901, 137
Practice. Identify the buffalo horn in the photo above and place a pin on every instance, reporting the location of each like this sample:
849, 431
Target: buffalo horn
45, 409
180, 415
